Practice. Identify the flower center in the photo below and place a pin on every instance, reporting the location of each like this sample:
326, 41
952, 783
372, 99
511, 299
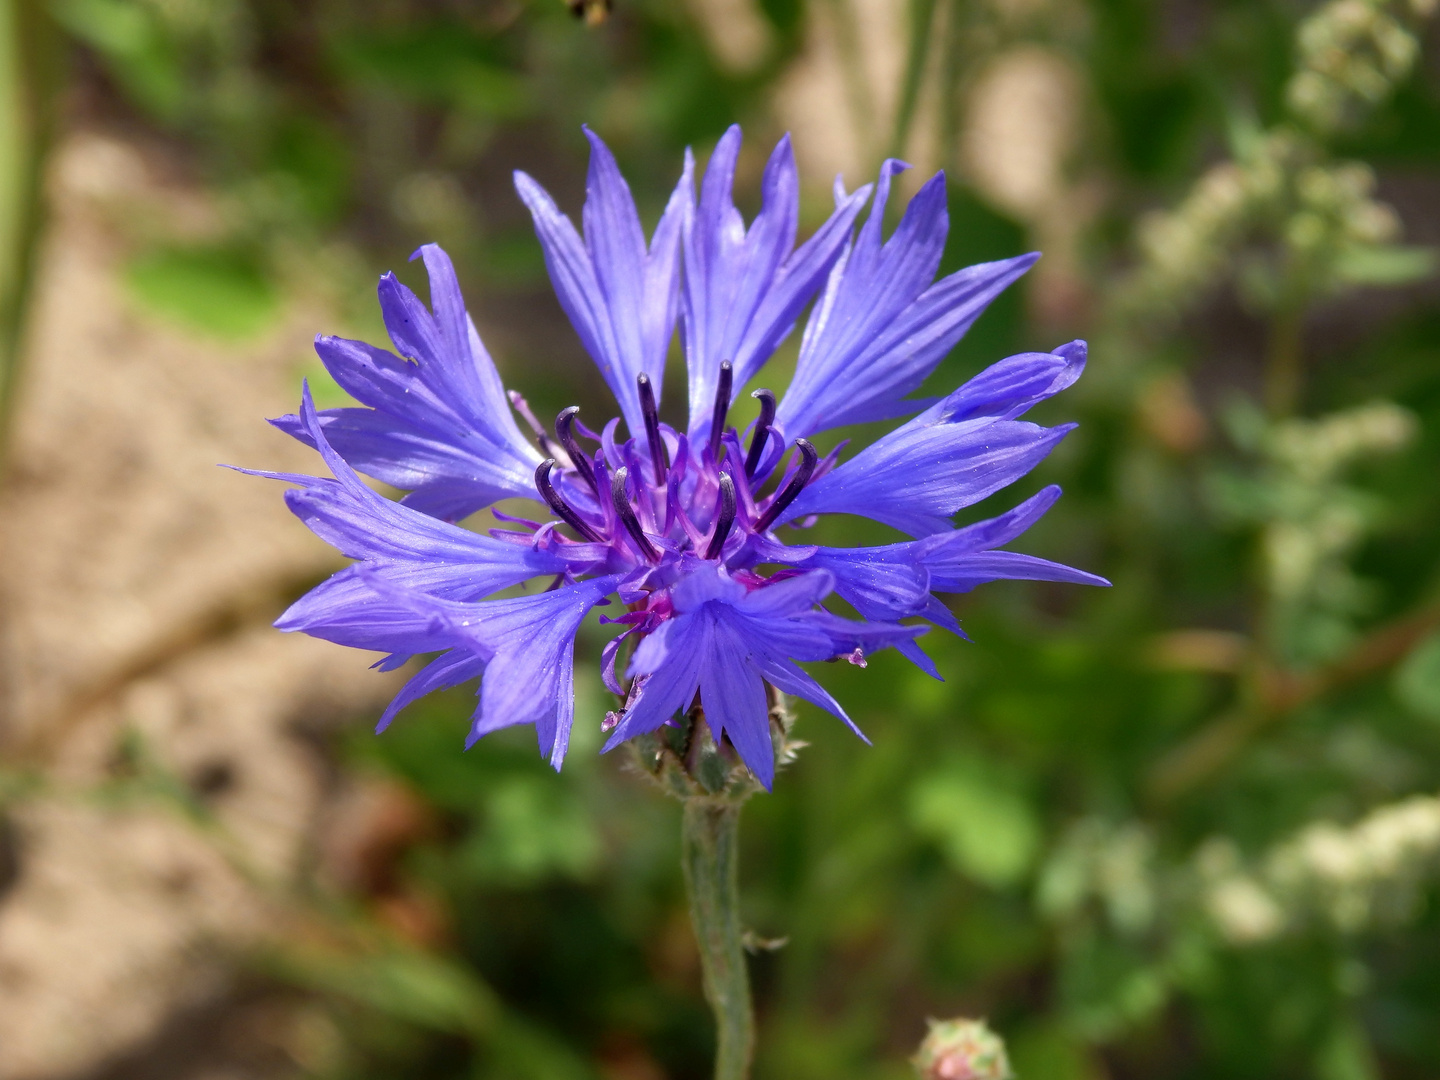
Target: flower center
693, 503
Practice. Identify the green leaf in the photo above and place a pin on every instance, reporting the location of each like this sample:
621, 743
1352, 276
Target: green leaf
408, 985
133, 41
1388, 264
534, 828
985, 827
1345, 1054
437, 993
218, 291
1108, 986
1049, 1052
440, 63
1417, 679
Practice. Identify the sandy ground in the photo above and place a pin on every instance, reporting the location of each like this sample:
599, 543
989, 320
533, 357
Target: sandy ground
163, 736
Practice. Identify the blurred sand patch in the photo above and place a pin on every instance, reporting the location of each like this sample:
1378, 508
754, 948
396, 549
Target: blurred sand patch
166, 721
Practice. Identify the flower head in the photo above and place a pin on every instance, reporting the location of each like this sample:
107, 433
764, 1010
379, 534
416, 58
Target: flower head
683, 526
962, 1050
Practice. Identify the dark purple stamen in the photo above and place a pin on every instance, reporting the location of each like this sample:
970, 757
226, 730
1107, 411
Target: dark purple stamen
659, 457
724, 517
722, 408
561, 508
762, 430
563, 423
621, 499
808, 458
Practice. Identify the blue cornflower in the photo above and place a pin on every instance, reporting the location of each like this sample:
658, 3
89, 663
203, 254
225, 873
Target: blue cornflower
682, 526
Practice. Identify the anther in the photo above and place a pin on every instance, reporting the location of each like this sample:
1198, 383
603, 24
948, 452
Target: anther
563, 423
722, 407
724, 517
762, 430
808, 458
627, 514
658, 455
561, 508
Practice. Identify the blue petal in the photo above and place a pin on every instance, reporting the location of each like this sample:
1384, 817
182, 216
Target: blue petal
408, 548
882, 326
955, 453
992, 532
883, 583
744, 289
789, 679
450, 669
919, 476
911, 651
784, 598
770, 645
620, 297
438, 472
896, 581
847, 635
1013, 386
438, 423
348, 611
528, 645
733, 695
726, 641
363, 525
670, 661
961, 573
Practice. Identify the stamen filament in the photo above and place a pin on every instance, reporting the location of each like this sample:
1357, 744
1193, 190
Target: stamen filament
621, 499
722, 407
724, 517
563, 424
659, 456
806, 469
762, 430
561, 508
542, 439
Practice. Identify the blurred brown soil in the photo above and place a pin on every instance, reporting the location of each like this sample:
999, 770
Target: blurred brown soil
162, 734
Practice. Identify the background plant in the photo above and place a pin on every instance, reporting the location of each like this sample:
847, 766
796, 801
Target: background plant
1183, 828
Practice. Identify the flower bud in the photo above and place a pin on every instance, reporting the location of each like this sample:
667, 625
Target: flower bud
962, 1050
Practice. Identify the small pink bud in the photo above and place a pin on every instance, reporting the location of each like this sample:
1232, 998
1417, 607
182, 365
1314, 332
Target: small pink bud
962, 1050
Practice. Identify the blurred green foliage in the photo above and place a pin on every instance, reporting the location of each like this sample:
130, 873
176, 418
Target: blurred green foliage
220, 291
1094, 833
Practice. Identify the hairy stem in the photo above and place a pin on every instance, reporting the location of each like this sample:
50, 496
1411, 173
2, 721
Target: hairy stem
711, 860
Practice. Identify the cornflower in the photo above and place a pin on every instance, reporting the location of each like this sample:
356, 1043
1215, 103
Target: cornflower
683, 526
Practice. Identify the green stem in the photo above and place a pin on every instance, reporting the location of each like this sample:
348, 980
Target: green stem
922, 18
711, 860
1282, 364
30, 75
857, 85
